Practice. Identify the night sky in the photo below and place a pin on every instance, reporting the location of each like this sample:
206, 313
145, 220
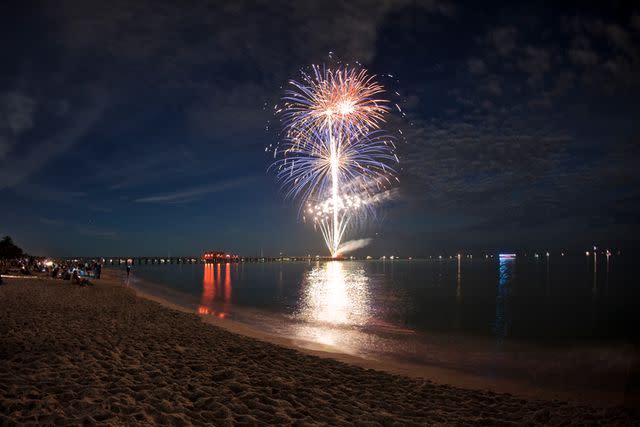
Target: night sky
139, 127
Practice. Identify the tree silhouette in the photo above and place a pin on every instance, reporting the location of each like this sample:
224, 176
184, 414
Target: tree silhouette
8, 249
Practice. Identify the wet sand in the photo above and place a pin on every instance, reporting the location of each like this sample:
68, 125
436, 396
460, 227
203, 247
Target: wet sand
101, 354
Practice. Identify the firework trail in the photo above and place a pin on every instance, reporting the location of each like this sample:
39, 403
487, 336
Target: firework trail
334, 157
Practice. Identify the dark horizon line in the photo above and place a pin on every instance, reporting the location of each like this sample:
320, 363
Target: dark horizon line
436, 255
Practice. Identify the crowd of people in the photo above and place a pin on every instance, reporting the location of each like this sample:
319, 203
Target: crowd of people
78, 272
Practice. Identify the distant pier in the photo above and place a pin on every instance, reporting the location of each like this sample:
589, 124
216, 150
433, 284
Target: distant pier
149, 260
221, 257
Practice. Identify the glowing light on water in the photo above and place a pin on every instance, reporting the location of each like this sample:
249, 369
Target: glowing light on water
506, 274
334, 157
335, 295
336, 307
213, 289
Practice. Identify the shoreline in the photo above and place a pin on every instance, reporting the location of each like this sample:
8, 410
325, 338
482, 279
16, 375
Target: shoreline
105, 354
438, 375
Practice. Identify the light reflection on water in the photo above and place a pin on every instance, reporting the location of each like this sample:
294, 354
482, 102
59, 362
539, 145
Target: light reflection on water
335, 295
214, 289
462, 314
506, 274
458, 296
333, 299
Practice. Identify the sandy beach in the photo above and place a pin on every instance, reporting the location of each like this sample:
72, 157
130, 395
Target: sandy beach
101, 354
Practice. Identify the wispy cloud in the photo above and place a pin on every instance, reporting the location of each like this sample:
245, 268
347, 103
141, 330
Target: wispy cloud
100, 209
193, 193
17, 112
51, 221
97, 233
14, 169
91, 231
49, 194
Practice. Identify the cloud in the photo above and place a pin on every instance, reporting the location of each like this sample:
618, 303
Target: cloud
15, 168
100, 209
237, 33
219, 60
82, 229
217, 115
503, 39
536, 62
5, 146
48, 193
16, 112
608, 52
476, 65
51, 221
517, 173
481, 166
605, 50
191, 194
165, 160
583, 56
492, 86
97, 233
16, 117
635, 22
617, 35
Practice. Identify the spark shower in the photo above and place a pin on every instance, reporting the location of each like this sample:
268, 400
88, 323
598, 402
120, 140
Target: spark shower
334, 157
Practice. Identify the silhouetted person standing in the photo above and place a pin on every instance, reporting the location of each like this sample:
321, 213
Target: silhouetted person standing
128, 270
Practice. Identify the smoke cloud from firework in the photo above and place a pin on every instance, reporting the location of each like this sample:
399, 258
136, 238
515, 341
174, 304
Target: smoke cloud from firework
352, 245
334, 158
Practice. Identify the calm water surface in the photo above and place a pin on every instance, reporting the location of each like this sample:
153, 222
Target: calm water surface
543, 320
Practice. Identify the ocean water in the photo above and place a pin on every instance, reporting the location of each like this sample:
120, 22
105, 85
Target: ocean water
564, 320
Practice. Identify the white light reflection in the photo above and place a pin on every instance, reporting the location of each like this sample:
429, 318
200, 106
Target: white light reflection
335, 299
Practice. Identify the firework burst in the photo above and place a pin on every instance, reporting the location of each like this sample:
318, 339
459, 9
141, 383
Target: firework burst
334, 158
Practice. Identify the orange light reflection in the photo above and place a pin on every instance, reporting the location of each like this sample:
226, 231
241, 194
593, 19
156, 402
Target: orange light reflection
212, 289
